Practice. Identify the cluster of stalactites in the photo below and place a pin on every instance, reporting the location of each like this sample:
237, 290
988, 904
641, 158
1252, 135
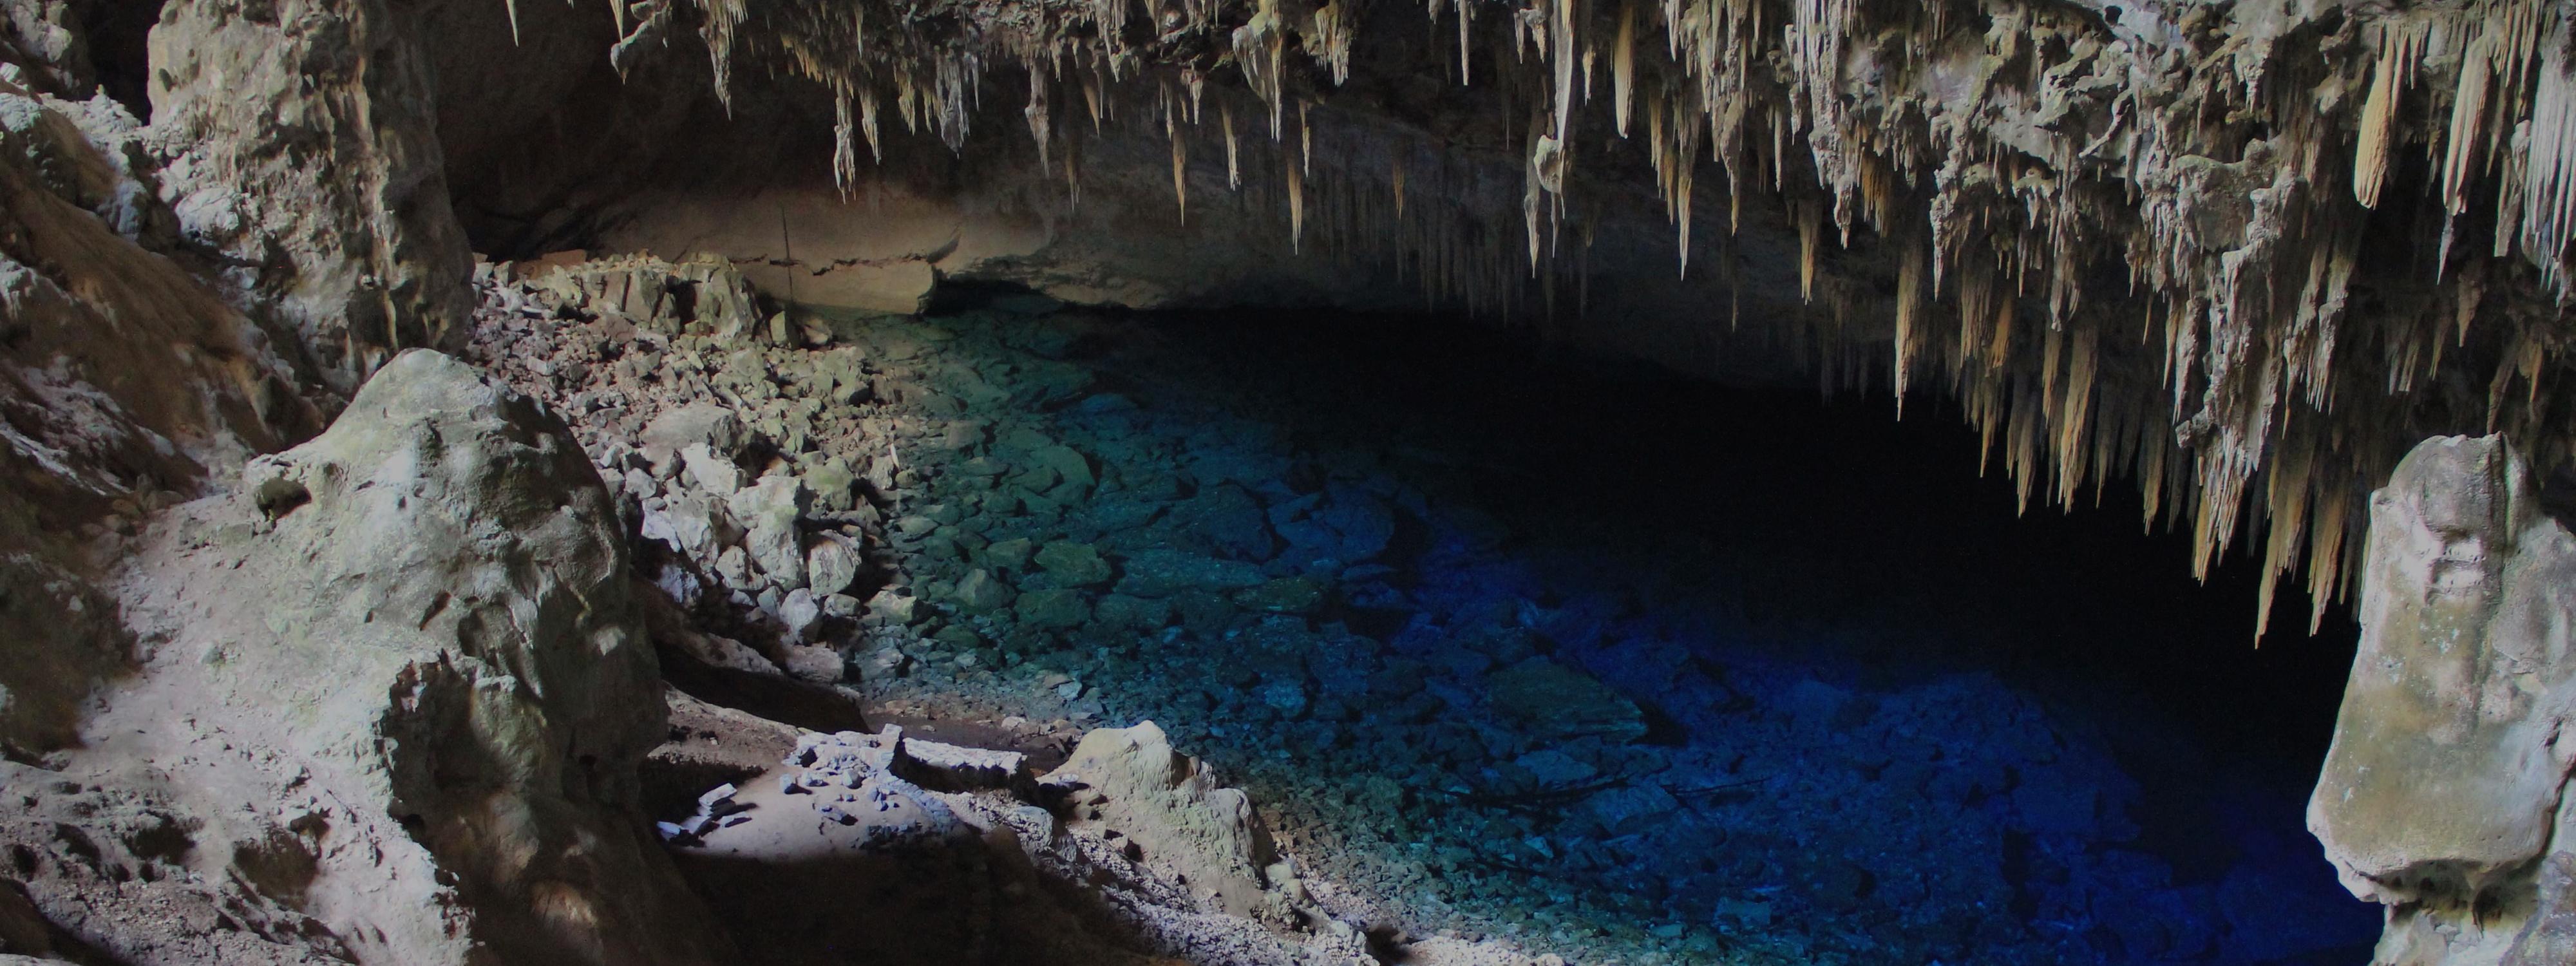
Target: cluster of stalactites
2053, 144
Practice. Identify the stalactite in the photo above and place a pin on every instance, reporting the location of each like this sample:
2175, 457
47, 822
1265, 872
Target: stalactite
1296, 208
1396, 178
1810, 219
1180, 173
1305, 138
2549, 172
1909, 315
2214, 178
845, 152
2399, 44
1623, 67
1233, 165
1331, 40
1040, 127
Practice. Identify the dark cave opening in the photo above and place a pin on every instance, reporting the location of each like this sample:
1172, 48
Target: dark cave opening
120, 41
1875, 696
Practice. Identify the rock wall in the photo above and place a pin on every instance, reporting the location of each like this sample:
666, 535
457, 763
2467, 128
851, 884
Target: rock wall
303, 149
2443, 795
125, 385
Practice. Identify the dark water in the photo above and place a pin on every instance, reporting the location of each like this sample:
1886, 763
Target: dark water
1870, 714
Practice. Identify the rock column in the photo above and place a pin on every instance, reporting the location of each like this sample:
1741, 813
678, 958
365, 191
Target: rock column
2442, 794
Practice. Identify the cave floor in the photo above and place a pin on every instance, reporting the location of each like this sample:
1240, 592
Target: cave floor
1504, 640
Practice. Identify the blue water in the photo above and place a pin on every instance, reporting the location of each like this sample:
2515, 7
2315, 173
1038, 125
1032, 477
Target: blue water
1878, 718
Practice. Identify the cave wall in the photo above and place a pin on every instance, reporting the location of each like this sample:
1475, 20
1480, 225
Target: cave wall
303, 153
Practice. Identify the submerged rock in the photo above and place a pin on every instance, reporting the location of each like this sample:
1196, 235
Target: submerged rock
1053, 609
1073, 564
980, 592
1558, 701
1163, 573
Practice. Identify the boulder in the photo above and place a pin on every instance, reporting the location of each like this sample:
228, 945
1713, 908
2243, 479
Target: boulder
831, 565
690, 524
802, 614
1133, 613
768, 511
714, 651
2441, 794
1343, 523
423, 623
833, 485
701, 424
710, 470
821, 665
1069, 465
1073, 564
980, 592
1133, 781
1053, 609
1012, 554
1229, 518
1628, 809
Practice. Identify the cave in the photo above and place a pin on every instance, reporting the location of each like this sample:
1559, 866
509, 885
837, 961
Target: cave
1516, 482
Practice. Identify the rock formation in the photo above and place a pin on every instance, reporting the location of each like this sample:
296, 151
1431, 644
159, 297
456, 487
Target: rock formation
1131, 778
256, 99
386, 692
455, 680
2442, 797
2182, 242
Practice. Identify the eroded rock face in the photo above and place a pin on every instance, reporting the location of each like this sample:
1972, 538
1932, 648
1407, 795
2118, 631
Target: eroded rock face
418, 624
304, 148
2441, 795
125, 384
